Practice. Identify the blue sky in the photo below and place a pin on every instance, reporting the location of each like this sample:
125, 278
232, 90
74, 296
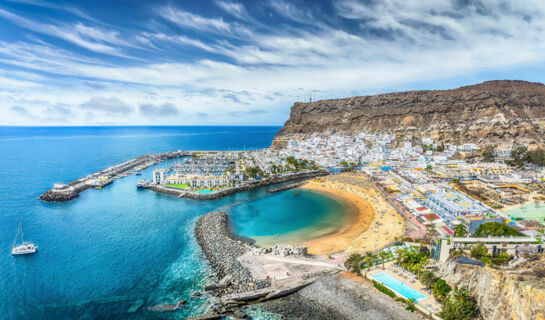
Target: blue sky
226, 62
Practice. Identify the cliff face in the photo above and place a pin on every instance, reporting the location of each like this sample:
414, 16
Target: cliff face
499, 294
491, 113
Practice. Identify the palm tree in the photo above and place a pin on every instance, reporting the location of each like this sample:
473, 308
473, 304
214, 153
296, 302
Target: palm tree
399, 252
383, 255
369, 259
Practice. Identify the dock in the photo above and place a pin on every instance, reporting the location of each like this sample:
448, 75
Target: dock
102, 178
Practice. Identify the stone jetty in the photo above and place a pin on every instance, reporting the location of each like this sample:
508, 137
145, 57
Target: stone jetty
222, 250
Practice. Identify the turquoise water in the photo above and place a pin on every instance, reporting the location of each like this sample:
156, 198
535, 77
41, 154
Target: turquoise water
398, 286
103, 252
290, 216
205, 191
534, 211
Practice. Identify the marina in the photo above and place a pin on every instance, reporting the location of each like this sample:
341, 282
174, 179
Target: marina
102, 178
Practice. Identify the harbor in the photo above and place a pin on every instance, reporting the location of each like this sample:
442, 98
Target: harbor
199, 175
102, 178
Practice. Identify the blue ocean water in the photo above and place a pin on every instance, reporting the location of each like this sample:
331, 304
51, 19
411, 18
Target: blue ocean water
103, 252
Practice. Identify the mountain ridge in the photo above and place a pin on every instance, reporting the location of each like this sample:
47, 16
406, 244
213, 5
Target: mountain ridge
493, 113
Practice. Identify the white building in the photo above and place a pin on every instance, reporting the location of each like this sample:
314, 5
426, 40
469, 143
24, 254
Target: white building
158, 176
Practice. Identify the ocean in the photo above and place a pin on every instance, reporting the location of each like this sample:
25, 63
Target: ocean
118, 247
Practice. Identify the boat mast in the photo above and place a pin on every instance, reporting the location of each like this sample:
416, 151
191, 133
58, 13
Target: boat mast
22, 233
17, 235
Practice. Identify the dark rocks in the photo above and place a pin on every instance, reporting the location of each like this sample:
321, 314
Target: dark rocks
196, 294
57, 196
221, 250
168, 307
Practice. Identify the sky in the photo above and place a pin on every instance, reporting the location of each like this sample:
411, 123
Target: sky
227, 62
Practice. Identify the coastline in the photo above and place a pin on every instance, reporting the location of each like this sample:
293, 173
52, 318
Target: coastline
371, 222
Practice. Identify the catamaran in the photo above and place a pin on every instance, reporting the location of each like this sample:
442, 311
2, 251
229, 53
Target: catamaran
24, 247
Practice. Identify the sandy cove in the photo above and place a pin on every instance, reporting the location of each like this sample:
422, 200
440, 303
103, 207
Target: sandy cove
368, 228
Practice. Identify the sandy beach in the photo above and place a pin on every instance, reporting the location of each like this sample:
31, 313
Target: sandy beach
372, 223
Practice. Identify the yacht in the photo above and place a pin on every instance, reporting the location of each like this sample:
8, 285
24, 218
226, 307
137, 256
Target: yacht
23, 247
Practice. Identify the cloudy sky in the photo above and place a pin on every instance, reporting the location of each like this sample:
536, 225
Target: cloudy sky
228, 62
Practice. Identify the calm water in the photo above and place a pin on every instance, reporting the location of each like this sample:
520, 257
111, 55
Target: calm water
104, 251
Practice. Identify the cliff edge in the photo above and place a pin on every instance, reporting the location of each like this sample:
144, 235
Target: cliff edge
494, 113
513, 293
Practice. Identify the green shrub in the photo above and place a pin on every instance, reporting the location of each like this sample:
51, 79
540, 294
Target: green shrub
382, 288
428, 278
353, 262
496, 229
479, 250
440, 289
459, 305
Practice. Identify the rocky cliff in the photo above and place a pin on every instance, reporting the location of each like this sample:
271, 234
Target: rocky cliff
491, 113
501, 294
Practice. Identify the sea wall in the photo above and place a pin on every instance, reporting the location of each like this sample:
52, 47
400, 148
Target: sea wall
500, 295
230, 191
222, 249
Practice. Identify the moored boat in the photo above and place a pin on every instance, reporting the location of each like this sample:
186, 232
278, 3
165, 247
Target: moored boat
140, 184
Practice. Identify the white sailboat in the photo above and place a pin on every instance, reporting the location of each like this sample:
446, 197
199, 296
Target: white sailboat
24, 247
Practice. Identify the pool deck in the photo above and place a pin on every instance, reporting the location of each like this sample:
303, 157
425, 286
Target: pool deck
425, 305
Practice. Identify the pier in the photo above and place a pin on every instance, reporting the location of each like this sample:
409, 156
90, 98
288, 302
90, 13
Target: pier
69, 191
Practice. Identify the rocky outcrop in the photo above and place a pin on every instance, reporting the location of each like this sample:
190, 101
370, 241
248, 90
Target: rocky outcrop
500, 294
491, 113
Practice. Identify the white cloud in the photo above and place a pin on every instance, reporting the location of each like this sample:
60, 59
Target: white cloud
390, 43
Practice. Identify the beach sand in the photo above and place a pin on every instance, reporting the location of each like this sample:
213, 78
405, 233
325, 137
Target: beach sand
372, 223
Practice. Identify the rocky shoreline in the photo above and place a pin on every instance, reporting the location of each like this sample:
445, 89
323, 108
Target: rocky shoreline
221, 250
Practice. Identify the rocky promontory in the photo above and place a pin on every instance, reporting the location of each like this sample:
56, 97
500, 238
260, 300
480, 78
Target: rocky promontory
494, 113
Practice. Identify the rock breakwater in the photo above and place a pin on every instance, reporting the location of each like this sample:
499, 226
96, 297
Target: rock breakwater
222, 250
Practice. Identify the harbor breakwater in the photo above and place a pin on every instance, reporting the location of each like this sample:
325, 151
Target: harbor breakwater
222, 250
248, 186
72, 189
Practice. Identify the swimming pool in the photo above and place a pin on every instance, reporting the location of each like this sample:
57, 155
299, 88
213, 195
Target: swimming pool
205, 191
398, 286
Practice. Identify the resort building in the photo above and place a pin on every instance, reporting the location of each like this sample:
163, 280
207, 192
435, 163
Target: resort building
511, 245
196, 181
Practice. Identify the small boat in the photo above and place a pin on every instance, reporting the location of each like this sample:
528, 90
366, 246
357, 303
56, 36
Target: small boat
24, 247
140, 184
